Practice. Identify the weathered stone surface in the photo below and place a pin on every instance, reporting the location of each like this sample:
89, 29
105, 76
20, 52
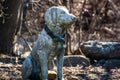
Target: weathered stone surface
101, 50
49, 44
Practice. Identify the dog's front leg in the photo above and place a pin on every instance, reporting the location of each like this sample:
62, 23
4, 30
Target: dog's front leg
60, 60
43, 59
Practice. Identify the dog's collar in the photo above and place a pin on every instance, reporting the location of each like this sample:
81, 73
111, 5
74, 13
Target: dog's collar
53, 36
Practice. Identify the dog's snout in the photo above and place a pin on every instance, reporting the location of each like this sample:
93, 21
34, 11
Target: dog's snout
74, 18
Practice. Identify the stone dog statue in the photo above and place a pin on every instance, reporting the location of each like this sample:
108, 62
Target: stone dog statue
50, 44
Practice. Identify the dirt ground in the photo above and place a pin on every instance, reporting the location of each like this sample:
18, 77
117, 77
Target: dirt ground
10, 69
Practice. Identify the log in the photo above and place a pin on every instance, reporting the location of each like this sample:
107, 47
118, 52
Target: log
75, 60
112, 63
101, 50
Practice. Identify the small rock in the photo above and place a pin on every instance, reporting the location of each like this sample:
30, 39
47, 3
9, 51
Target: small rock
52, 75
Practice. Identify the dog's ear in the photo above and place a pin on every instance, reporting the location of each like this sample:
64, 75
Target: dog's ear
51, 17
54, 15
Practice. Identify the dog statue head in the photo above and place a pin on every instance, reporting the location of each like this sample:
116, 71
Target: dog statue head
58, 16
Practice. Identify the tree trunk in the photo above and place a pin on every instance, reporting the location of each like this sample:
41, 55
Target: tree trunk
9, 22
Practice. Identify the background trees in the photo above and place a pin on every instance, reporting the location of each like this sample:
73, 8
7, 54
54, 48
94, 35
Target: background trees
97, 20
10, 21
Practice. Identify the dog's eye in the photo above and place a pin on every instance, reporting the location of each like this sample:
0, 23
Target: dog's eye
63, 12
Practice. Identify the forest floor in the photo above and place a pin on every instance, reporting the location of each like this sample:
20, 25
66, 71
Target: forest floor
10, 69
